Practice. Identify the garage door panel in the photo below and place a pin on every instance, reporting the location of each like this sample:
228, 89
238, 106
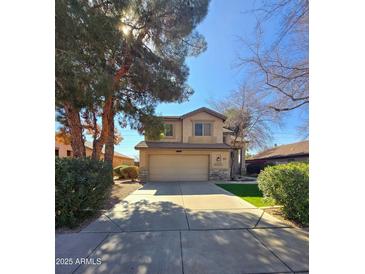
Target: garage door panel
178, 167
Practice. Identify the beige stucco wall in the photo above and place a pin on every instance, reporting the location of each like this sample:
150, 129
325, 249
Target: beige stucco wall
117, 161
184, 130
188, 128
62, 149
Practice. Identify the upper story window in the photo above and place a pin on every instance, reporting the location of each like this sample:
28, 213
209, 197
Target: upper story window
203, 129
169, 130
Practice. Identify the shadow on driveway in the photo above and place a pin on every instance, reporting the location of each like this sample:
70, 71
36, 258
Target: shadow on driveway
154, 231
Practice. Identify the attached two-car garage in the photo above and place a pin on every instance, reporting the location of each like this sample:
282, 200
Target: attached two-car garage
169, 162
178, 167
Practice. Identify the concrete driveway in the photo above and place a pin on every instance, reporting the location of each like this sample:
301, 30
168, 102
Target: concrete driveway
186, 227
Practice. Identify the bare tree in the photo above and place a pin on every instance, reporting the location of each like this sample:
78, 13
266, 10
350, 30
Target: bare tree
248, 119
280, 67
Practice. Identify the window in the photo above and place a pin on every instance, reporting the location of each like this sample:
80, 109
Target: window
169, 132
57, 153
207, 130
198, 129
203, 129
69, 153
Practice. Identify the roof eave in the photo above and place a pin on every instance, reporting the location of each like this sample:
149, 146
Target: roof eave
280, 157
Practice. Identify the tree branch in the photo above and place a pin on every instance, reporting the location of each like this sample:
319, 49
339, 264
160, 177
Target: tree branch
289, 108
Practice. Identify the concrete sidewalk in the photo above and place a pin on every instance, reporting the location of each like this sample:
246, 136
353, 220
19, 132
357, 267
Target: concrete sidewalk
189, 227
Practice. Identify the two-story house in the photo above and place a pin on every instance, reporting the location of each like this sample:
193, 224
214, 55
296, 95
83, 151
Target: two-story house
192, 149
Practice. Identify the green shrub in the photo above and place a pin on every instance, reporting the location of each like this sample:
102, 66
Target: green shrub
82, 186
289, 185
130, 172
117, 171
126, 172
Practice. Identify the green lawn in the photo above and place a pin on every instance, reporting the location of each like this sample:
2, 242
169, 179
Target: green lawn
249, 193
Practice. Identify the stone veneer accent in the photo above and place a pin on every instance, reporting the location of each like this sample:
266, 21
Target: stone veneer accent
143, 174
216, 174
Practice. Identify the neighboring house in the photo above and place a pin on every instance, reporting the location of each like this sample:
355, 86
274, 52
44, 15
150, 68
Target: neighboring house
192, 149
296, 152
64, 150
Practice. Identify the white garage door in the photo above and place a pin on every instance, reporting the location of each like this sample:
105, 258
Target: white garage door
178, 168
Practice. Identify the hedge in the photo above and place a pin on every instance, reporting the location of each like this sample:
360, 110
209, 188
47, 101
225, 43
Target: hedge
126, 172
82, 186
117, 171
130, 172
288, 184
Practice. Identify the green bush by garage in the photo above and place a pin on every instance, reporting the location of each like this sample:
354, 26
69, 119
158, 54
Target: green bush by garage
82, 187
288, 184
117, 171
126, 172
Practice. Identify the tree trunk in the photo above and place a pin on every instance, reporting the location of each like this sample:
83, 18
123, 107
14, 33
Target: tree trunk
109, 143
235, 165
97, 148
74, 122
107, 116
234, 157
107, 130
243, 160
97, 145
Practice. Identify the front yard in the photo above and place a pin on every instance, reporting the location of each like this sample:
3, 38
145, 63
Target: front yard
250, 193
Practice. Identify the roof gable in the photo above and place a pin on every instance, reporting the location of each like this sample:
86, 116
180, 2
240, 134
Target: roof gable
207, 110
191, 113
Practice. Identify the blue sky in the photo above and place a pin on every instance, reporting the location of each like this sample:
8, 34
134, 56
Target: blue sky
213, 74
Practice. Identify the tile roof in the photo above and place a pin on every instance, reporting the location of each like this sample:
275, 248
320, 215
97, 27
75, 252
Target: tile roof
295, 149
177, 145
